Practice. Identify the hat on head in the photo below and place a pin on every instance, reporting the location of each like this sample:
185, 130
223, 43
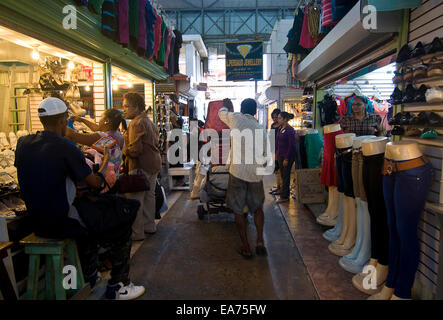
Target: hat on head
51, 107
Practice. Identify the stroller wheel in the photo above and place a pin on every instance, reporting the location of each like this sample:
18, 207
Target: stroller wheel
201, 212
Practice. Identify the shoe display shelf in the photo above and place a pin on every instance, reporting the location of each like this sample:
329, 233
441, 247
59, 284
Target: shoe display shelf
422, 59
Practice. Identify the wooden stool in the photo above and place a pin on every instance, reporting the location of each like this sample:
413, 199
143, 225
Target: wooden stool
6, 286
53, 249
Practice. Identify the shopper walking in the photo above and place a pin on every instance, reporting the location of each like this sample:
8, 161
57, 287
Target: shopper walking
285, 151
275, 126
245, 186
142, 154
48, 169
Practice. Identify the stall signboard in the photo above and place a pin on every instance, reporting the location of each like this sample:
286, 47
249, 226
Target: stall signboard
244, 60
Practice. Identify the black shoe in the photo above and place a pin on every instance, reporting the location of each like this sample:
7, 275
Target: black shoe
420, 94
418, 51
396, 119
397, 96
398, 131
405, 118
436, 45
420, 119
434, 119
404, 54
409, 95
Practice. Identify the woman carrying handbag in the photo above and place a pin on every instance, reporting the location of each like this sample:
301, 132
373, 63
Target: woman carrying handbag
142, 158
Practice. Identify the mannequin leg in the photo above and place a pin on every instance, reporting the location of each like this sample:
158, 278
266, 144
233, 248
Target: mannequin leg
348, 262
334, 233
329, 217
364, 254
345, 243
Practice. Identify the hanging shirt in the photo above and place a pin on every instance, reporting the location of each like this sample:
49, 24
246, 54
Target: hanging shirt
177, 46
142, 36
158, 34
313, 146
168, 37
326, 19
342, 108
382, 109
171, 59
150, 23
162, 50
123, 21
109, 18
292, 46
96, 5
133, 20
306, 40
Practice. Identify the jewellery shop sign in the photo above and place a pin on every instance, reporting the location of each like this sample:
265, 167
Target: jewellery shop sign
244, 60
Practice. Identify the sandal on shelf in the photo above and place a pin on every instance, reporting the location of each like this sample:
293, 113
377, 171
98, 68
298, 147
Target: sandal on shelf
244, 253
261, 251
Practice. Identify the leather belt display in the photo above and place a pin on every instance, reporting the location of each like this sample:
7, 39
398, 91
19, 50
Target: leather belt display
390, 166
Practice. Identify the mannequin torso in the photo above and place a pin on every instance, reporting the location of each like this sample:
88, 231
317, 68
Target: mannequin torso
402, 150
344, 140
374, 146
331, 128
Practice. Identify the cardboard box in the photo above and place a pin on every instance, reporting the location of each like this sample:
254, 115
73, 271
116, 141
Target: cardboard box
308, 187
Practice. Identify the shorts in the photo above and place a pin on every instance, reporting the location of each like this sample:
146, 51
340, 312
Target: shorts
344, 172
242, 193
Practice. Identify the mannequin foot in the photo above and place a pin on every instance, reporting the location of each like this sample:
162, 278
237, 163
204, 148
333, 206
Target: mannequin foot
357, 282
339, 251
326, 221
385, 294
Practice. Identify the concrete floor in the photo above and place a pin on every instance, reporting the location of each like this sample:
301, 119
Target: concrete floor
192, 259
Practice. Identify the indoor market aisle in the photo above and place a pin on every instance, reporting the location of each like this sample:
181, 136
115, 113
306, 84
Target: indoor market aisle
192, 259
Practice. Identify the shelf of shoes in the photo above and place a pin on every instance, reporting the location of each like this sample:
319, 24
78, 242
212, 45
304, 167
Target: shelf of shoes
436, 142
421, 60
422, 106
430, 82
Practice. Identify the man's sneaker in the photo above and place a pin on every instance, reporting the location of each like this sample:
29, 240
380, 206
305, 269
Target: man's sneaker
120, 292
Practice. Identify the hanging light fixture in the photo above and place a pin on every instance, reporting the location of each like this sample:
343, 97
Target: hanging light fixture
87, 88
71, 65
35, 55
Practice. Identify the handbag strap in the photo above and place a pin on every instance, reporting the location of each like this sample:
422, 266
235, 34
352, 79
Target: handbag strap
105, 183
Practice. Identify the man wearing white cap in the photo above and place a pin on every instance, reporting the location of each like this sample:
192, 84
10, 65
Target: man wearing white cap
48, 168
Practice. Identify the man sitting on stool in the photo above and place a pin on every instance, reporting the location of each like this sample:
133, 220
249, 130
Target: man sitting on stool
48, 168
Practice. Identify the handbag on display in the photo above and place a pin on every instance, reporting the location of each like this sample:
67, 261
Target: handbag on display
130, 183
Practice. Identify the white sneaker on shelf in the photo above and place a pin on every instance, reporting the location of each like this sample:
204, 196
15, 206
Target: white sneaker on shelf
120, 292
12, 140
3, 141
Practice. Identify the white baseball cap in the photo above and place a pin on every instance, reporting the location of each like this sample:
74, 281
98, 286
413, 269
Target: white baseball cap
51, 107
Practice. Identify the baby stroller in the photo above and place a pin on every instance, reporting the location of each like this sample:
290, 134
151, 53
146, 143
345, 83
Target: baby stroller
214, 177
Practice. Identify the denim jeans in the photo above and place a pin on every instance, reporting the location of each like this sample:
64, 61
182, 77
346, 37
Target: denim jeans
373, 184
344, 171
405, 194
